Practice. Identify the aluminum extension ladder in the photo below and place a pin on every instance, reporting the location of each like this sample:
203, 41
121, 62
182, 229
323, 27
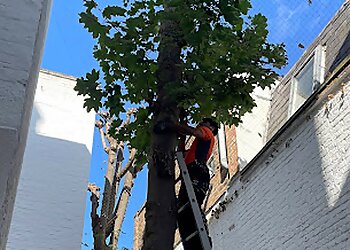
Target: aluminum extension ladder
201, 230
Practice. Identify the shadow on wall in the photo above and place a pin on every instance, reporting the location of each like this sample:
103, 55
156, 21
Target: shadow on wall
50, 202
327, 193
297, 196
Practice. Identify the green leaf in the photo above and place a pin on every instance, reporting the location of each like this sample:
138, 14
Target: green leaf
92, 24
90, 5
89, 86
110, 11
244, 6
213, 60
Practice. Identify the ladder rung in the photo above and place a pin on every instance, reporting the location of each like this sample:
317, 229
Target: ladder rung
177, 179
191, 236
182, 208
197, 213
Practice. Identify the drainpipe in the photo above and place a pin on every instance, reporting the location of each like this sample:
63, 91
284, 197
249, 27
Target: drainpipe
222, 146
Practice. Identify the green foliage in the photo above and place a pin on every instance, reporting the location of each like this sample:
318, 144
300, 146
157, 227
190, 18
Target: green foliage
225, 55
89, 86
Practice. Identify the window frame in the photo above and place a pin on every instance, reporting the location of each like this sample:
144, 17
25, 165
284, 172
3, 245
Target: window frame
317, 76
211, 166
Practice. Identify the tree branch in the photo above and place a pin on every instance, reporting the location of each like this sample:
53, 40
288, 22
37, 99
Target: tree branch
101, 226
129, 113
116, 179
99, 239
122, 205
120, 175
138, 168
95, 196
104, 144
129, 164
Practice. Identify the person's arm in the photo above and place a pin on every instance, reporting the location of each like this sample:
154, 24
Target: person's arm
184, 129
182, 143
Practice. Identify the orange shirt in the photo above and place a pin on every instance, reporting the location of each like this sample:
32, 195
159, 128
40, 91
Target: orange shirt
199, 146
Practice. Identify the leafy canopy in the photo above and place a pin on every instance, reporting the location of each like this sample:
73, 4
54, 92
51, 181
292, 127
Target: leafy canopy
225, 55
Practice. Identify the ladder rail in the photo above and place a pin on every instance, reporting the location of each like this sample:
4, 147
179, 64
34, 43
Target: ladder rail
203, 235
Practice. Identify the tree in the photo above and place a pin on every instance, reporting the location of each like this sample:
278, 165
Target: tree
109, 222
202, 57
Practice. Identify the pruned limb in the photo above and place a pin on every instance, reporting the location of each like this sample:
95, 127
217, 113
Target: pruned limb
102, 134
127, 120
129, 164
132, 170
103, 224
128, 167
108, 190
123, 203
95, 196
119, 174
138, 168
97, 229
116, 180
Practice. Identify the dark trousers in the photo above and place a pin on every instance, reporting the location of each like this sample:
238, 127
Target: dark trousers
199, 174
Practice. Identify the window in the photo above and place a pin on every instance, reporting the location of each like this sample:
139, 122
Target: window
307, 80
211, 166
304, 84
222, 146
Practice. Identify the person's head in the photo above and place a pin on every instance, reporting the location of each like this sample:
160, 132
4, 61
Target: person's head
210, 123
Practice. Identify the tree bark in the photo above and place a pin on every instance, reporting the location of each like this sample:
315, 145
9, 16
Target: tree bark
102, 225
160, 205
116, 182
108, 192
119, 156
97, 229
122, 205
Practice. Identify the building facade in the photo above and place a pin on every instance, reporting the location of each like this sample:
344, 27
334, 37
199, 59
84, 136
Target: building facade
291, 189
294, 194
23, 26
51, 195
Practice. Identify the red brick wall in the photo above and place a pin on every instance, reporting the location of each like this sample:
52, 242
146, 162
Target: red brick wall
219, 181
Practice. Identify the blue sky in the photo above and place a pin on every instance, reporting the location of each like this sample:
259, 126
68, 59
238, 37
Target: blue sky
68, 50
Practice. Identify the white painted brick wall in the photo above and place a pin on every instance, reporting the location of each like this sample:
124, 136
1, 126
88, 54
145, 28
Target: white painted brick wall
19, 24
253, 127
51, 195
23, 25
299, 198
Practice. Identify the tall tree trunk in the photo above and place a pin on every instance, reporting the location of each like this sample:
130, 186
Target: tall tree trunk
122, 205
116, 180
108, 191
97, 229
160, 205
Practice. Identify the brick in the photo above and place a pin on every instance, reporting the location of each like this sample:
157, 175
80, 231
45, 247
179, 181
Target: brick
22, 30
51, 195
291, 203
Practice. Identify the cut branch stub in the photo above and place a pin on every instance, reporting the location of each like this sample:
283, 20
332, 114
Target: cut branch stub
99, 124
94, 189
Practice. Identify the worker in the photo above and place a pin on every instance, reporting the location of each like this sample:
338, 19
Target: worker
196, 159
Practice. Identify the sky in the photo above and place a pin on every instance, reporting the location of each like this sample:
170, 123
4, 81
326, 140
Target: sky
68, 50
